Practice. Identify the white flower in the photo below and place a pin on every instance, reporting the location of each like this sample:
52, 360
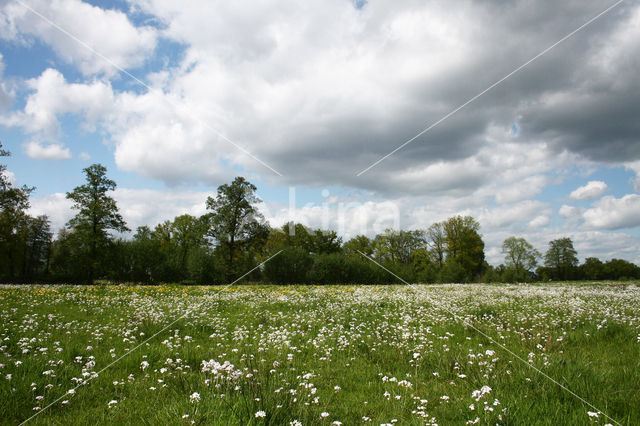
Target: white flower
324, 414
194, 397
184, 416
71, 391
144, 365
592, 414
295, 423
112, 403
337, 388
444, 397
260, 414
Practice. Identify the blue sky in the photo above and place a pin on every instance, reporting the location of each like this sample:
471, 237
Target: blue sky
321, 91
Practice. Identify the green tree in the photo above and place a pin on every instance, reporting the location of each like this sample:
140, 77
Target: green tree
14, 222
464, 248
359, 243
97, 215
188, 233
398, 246
616, 269
37, 247
235, 223
437, 242
592, 269
561, 258
520, 256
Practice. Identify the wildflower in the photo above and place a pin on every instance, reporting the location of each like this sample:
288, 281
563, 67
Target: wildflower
444, 397
144, 365
71, 391
324, 414
260, 414
337, 388
65, 402
194, 397
112, 403
592, 414
185, 416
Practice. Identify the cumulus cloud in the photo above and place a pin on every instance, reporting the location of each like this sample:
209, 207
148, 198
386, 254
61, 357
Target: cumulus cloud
53, 151
568, 212
593, 189
137, 206
614, 213
80, 33
364, 80
55, 206
320, 96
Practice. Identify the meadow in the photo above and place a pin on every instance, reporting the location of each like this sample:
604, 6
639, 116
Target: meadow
322, 355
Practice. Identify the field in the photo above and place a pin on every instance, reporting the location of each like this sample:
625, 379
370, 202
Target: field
438, 354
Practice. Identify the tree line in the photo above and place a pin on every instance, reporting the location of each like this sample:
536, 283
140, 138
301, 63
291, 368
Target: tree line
233, 238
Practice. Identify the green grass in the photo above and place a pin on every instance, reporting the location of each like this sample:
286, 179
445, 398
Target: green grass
292, 345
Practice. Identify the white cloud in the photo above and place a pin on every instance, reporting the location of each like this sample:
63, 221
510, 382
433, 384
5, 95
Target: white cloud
53, 97
108, 32
150, 207
540, 221
526, 188
635, 167
614, 213
568, 212
591, 190
55, 206
52, 151
137, 206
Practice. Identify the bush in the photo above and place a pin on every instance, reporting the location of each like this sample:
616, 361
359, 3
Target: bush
289, 267
204, 268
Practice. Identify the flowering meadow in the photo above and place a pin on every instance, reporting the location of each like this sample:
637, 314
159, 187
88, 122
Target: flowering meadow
323, 355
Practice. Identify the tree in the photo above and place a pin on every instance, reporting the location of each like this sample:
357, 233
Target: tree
437, 241
235, 223
592, 269
188, 233
561, 258
464, 248
359, 244
398, 246
616, 269
14, 202
97, 215
520, 256
37, 247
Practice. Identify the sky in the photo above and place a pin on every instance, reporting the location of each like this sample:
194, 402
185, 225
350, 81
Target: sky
355, 116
